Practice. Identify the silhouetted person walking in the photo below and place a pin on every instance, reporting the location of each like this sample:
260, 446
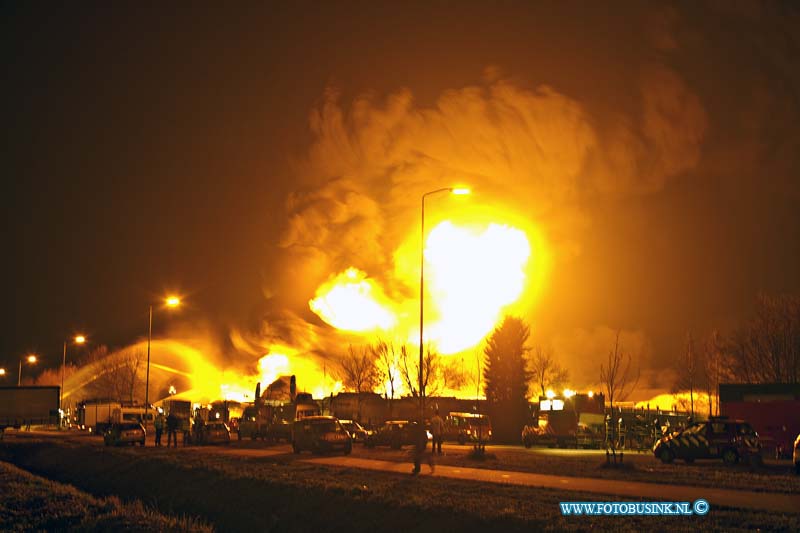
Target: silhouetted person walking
420, 439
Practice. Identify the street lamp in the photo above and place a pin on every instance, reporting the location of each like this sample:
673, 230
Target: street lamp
79, 339
451, 190
30, 359
2, 372
170, 301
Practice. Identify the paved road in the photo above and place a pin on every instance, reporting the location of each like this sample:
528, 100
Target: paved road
775, 502
783, 503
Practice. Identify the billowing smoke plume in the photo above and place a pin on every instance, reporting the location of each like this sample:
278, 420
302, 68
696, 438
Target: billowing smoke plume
562, 160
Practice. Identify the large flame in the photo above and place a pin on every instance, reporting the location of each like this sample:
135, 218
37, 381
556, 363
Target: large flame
352, 302
312, 377
471, 275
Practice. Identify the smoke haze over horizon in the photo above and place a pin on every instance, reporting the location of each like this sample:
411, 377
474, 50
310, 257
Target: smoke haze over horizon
650, 155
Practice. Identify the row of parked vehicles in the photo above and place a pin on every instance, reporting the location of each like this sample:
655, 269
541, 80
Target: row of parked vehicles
732, 441
326, 433
132, 432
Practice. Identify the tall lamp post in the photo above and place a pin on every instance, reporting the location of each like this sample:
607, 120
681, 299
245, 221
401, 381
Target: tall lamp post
30, 359
171, 301
451, 190
79, 339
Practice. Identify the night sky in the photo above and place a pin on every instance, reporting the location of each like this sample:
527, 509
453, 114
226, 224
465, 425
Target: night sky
197, 151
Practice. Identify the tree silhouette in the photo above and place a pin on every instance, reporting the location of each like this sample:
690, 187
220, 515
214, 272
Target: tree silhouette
689, 371
546, 372
767, 348
409, 372
619, 382
358, 370
507, 378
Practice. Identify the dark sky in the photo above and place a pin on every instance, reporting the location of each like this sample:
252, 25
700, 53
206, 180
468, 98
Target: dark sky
149, 150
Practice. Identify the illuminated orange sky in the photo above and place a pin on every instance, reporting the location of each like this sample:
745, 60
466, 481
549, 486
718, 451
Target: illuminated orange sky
244, 159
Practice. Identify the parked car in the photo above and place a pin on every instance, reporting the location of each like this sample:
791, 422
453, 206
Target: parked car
393, 433
320, 434
356, 430
717, 438
796, 455
215, 432
120, 433
538, 436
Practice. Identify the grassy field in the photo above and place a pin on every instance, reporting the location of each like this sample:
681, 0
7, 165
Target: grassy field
32, 503
278, 494
771, 477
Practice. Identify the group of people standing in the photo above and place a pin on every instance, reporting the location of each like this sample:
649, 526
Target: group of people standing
420, 438
171, 423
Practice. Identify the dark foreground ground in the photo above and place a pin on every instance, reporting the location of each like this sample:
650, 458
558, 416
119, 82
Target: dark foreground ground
279, 494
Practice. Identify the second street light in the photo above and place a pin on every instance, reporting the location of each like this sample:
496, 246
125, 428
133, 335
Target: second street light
451, 190
79, 339
30, 359
171, 301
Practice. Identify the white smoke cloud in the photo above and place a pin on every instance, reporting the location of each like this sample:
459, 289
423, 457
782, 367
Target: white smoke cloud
534, 150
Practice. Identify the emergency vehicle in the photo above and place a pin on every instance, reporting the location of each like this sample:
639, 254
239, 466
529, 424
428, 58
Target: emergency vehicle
272, 419
716, 438
772, 408
467, 427
567, 422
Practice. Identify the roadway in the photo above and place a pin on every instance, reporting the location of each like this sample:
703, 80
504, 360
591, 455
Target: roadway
371, 460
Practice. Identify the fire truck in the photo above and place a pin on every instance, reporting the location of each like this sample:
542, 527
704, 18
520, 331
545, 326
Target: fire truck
567, 422
182, 410
272, 418
773, 409
467, 427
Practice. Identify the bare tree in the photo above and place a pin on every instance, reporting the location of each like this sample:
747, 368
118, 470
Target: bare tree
387, 360
92, 356
49, 377
359, 372
767, 348
410, 372
689, 371
619, 382
452, 375
117, 375
713, 370
546, 371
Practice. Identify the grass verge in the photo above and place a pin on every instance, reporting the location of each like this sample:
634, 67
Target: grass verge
32, 503
277, 494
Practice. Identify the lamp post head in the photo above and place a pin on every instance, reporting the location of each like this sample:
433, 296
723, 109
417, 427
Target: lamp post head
2, 371
461, 191
80, 339
172, 301
31, 358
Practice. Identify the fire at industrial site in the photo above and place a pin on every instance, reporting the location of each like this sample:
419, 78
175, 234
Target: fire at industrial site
496, 266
